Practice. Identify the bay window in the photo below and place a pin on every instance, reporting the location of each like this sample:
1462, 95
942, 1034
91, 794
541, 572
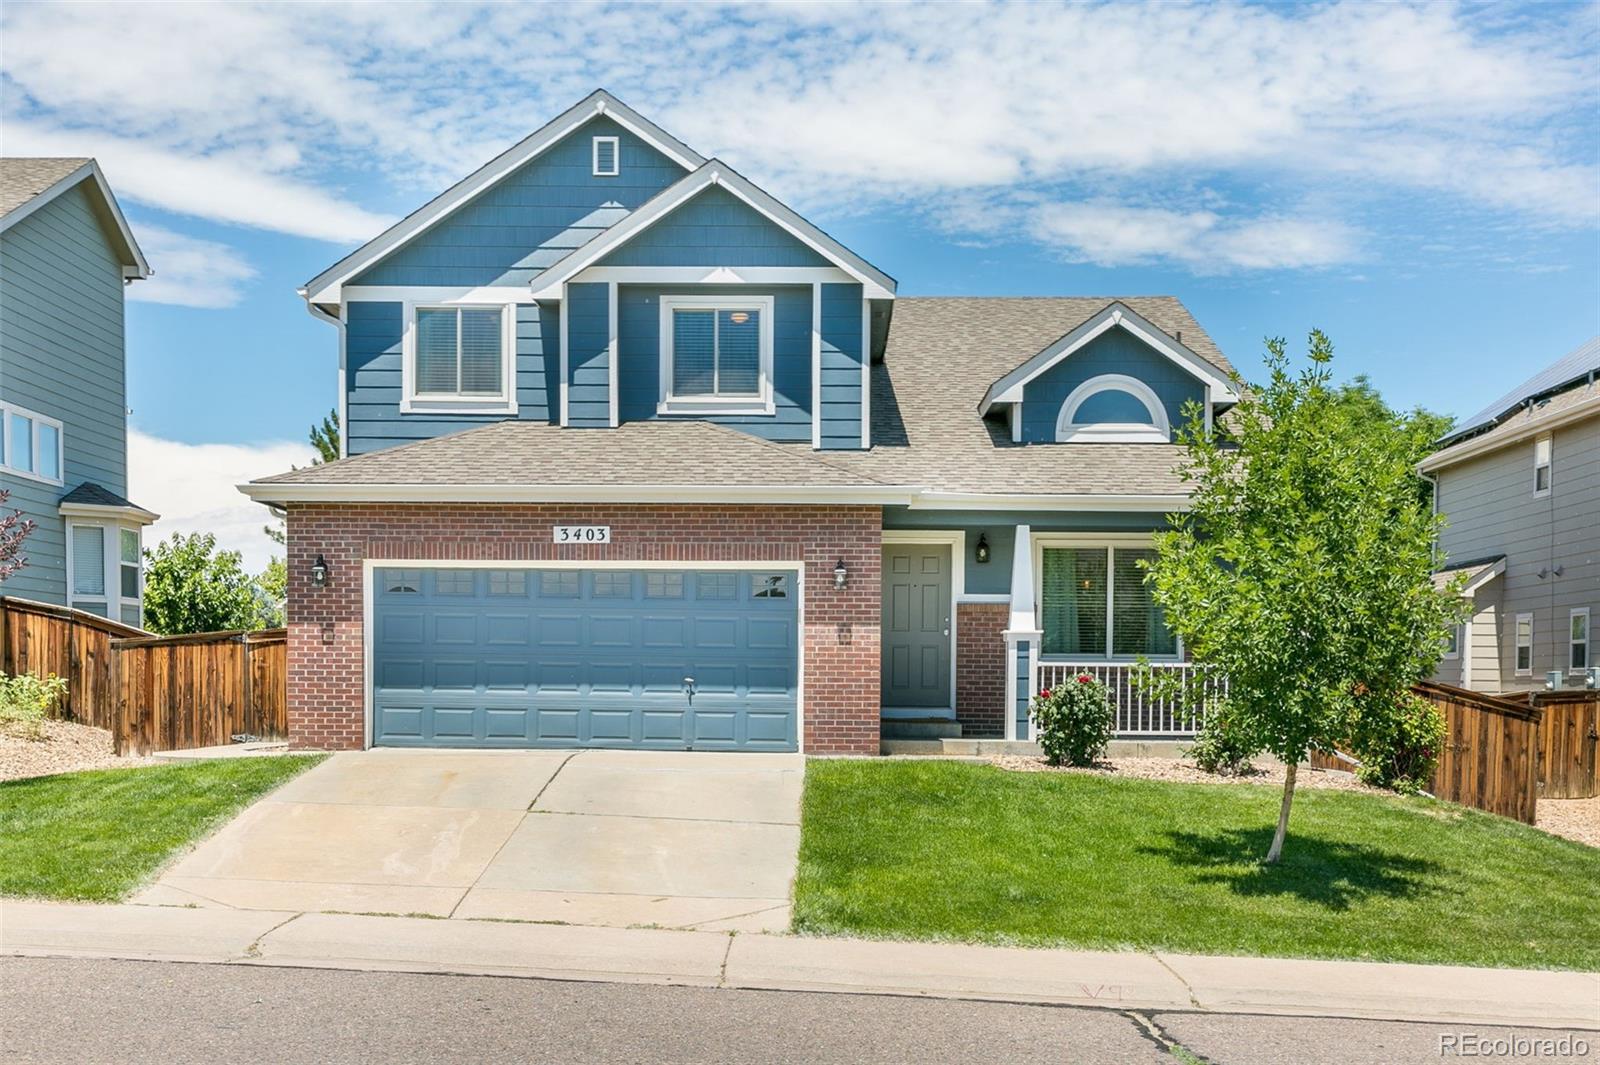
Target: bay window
716, 355
1093, 603
104, 572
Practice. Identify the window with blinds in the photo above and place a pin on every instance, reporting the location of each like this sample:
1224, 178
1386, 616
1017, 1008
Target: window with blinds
1093, 603
88, 560
460, 352
716, 354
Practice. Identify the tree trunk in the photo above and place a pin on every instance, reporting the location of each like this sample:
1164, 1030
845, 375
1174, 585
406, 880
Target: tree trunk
1276, 851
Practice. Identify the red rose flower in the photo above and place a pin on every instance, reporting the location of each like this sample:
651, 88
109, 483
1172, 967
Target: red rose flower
1084, 678
1044, 693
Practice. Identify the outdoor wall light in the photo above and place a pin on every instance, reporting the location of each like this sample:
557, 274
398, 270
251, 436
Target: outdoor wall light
319, 571
840, 574
981, 553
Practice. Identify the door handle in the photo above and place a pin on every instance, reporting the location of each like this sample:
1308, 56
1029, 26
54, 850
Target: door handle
688, 685
947, 626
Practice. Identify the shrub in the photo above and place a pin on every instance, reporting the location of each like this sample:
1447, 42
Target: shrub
1074, 721
1223, 745
1400, 750
25, 700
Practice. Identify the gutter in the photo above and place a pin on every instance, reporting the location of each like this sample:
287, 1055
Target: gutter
1484, 444
280, 493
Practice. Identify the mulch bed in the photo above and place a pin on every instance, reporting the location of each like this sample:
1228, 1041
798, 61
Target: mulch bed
67, 747
1181, 771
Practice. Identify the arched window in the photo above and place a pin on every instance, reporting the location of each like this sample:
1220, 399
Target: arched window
1113, 408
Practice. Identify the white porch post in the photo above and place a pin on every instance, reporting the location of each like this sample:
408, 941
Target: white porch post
1022, 637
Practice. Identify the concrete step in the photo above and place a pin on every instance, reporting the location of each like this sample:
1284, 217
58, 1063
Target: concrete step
919, 728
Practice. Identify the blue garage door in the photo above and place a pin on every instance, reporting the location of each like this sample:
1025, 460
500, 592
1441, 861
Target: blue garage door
669, 659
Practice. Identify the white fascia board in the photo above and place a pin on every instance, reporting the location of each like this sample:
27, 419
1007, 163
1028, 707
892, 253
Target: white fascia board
1087, 501
98, 510
875, 283
324, 288
704, 275
1115, 314
885, 495
134, 265
1484, 578
1484, 444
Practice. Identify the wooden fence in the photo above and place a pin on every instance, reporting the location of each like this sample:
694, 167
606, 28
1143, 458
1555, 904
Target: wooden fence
45, 639
182, 692
151, 692
1569, 732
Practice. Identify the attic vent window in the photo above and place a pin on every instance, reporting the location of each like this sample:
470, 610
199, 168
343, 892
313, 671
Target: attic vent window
606, 157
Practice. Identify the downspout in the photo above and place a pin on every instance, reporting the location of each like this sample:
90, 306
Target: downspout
337, 321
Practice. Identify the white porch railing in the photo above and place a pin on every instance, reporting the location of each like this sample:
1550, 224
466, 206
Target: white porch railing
1137, 713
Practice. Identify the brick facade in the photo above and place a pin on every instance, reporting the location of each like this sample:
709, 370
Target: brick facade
981, 668
840, 668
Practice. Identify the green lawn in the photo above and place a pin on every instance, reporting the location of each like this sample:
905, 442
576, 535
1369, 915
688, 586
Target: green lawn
96, 836
946, 850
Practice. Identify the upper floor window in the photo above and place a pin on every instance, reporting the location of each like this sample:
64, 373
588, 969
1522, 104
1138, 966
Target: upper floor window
30, 444
716, 355
1578, 640
1113, 408
607, 157
1541, 466
459, 359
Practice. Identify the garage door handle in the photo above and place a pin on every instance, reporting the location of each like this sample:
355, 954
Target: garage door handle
688, 685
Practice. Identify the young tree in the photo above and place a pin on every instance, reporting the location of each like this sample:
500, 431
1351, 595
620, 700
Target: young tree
14, 529
1363, 406
1303, 569
190, 586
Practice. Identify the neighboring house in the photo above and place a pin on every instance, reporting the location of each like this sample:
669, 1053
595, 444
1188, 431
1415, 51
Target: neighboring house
641, 457
66, 254
1519, 483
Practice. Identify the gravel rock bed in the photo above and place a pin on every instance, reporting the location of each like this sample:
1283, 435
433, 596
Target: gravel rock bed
1180, 771
66, 748
1577, 819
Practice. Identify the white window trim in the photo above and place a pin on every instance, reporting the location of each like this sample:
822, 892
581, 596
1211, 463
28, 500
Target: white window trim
1108, 541
111, 563
1517, 644
412, 402
1548, 465
616, 156
6, 411
1588, 641
761, 402
1451, 654
1113, 432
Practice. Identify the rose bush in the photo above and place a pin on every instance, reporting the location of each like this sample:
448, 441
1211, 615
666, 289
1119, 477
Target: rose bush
1073, 721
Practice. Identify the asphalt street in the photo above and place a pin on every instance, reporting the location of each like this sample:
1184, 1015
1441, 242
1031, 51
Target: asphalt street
92, 1011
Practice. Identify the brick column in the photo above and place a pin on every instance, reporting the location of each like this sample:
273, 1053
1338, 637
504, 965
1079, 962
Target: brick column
981, 668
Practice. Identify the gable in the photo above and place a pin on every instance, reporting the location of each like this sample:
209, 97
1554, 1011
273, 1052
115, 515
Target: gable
714, 228
1114, 352
532, 217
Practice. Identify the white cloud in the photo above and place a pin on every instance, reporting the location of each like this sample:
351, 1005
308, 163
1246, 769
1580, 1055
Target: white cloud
194, 489
244, 114
188, 272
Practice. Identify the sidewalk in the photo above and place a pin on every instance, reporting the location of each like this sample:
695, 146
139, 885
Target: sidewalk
755, 961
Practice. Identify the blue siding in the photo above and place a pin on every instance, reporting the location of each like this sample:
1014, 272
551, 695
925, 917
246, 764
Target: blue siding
61, 354
372, 375
714, 228
588, 355
994, 577
1115, 351
532, 217
639, 357
841, 366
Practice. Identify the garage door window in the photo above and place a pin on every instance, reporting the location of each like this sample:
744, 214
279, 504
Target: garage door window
508, 582
613, 585
559, 584
403, 582
454, 582
770, 586
663, 585
715, 586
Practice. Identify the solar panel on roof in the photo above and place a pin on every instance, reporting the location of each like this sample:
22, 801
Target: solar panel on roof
1574, 366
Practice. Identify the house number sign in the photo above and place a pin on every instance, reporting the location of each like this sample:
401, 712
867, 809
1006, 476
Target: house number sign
582, 534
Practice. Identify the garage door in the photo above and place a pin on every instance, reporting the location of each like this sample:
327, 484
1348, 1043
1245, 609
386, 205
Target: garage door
669, 659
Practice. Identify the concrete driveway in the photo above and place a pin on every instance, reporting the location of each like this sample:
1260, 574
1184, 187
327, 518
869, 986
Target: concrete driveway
681, 840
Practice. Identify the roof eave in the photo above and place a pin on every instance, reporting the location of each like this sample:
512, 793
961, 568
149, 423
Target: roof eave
1484, 443
291, 492
101, 510
134, 265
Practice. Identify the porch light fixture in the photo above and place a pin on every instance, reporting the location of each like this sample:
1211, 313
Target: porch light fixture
840, 574
319, 571
981, 554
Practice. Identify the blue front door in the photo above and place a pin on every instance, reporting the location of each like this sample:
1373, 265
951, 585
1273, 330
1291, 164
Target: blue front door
671, 659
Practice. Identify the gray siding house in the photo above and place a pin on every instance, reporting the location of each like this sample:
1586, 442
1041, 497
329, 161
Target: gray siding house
1520, 485
66, 254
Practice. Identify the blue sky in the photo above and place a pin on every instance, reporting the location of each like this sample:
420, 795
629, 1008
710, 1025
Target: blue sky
1421, 182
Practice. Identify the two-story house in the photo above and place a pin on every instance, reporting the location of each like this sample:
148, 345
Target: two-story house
66, 255
1519, 483
640, 457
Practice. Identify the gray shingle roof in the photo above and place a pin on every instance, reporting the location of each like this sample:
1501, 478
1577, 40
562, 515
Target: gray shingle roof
1518, 423
1576, 365
651, 453
23, 179
90, 494
942, 356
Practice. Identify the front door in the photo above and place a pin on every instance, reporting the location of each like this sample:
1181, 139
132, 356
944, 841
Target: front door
916, 626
